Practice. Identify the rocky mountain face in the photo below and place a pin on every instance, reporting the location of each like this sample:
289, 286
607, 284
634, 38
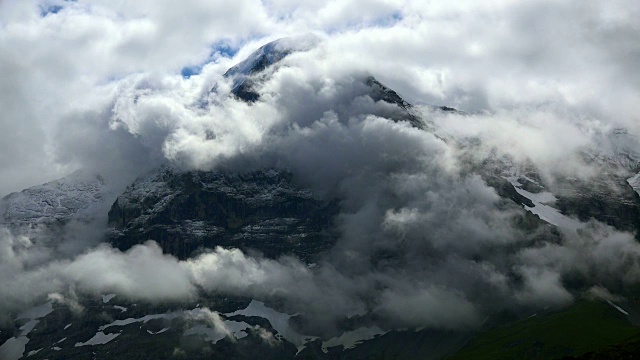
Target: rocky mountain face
379, 92
610, 194
244, 74
607, 196
77, 196
43, 213
189, 211
610, 200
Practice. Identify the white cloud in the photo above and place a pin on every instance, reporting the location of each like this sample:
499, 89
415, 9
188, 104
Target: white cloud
492, 55
98, 85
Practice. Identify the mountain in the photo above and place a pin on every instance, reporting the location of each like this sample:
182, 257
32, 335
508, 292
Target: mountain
78, 196
244, 73
248, 76
585, 326
618, 147
188, 212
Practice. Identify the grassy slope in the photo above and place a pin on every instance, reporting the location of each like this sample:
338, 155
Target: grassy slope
584, 327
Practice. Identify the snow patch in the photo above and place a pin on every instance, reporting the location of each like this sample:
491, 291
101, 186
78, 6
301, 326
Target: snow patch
157, 332
350, 339
235, 328
33, 352
37, 311
617, 307
634, 181
545, 212
26, 328
279, 321
143, 320
107, 298
99, 338
13, 348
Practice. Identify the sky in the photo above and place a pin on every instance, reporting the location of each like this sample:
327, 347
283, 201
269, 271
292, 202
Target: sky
117, 88
66, 62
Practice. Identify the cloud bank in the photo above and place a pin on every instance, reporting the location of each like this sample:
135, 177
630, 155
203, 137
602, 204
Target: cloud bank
66, 62
423, 242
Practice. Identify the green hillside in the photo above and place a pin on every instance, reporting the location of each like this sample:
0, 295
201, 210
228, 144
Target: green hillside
585, 327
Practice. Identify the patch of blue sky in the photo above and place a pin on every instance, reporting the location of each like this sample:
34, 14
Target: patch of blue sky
189, 71
46, 9
390, 20
218, 49
223, 49
53, 7
385, 21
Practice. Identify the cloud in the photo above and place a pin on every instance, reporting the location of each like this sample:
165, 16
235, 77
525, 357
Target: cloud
437, 307
577, 57
213, 320
100, 270
422, 242
431, 283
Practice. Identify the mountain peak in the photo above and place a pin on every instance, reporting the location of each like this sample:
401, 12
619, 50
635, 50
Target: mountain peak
272, 53
267, 55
